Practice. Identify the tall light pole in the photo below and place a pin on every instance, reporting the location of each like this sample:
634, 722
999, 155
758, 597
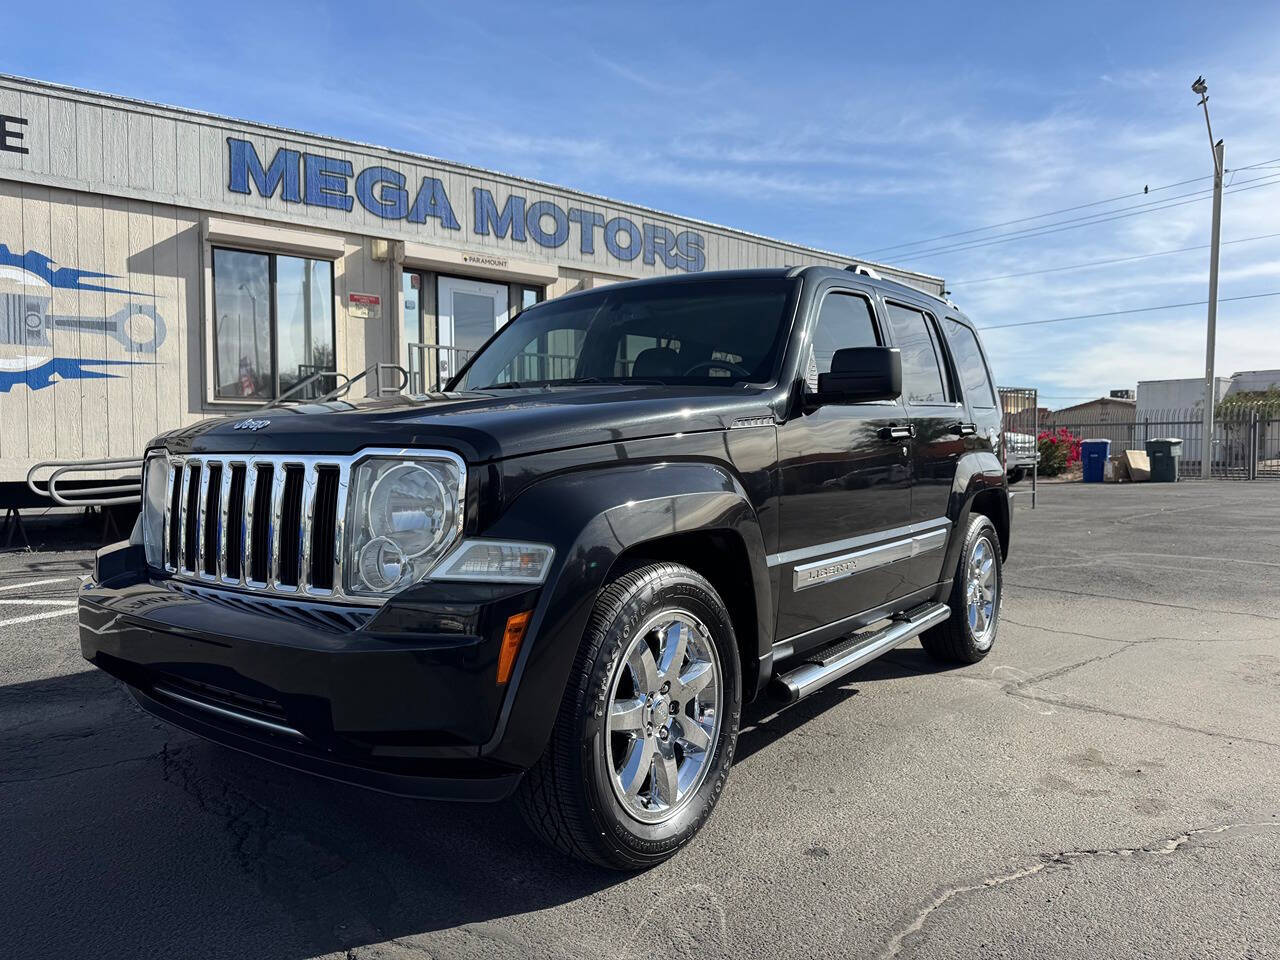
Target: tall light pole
1210, 393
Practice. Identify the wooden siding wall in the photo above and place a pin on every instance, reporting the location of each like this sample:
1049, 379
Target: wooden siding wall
156, 253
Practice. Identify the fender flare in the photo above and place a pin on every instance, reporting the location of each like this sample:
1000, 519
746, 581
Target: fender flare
976, 472
599, 514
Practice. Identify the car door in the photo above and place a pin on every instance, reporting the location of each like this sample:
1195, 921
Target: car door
844, 486
941, 427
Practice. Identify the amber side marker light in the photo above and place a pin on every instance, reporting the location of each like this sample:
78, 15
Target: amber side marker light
517, 624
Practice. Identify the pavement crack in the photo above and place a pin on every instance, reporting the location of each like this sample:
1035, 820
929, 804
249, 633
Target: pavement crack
1050, 862
1005, 618
1145, 602
76, 770
1013, 690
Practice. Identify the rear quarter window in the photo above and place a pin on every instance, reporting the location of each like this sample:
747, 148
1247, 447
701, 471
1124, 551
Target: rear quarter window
975, 379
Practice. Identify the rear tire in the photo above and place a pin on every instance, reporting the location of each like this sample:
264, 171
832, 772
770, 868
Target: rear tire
646, 731
970, 632
1017, 474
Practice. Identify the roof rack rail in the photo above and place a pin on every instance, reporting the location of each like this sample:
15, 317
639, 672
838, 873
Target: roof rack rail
864, 270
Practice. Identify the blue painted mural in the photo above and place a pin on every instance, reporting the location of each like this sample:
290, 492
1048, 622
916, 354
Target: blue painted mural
29, 327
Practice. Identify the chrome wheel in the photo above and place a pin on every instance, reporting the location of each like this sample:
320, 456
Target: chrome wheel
982, 592
663, 716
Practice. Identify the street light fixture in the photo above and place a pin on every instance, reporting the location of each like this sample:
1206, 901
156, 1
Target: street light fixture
1201, 89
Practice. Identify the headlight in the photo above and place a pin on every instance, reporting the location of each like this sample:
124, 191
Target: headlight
404, 513
155, 484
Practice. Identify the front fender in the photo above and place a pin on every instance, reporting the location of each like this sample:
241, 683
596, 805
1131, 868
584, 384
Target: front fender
592, 517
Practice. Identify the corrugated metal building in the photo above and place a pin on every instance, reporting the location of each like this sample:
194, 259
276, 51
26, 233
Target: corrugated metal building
159, 265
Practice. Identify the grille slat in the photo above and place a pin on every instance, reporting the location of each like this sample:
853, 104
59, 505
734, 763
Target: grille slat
263, 528
173, 516
233, 552
288, 548
325, 528
211, 503
191, 517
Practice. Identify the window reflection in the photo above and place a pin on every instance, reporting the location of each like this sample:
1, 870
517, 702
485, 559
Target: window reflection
250, 363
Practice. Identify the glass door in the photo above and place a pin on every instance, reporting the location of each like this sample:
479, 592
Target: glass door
412, 331
469, 313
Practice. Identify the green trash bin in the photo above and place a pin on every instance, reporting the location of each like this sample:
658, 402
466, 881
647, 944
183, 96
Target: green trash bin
1164, 455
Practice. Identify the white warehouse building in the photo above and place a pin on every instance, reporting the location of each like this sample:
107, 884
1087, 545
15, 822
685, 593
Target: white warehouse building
160, 265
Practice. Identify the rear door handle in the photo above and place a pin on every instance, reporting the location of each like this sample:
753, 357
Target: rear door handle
897, 433
966, 429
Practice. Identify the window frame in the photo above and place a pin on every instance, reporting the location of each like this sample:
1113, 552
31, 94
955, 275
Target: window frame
986, 366
539, 292
941, 351
211, 394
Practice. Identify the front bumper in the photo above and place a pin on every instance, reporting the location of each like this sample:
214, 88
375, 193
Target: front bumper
401, 698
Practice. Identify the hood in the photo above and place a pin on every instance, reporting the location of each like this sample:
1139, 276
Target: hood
478, 426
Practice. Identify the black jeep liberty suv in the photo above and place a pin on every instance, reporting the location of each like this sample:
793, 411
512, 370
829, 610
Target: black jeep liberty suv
636, 509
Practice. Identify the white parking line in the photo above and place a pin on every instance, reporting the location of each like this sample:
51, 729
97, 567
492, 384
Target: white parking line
61, 612
36, 583
20, 601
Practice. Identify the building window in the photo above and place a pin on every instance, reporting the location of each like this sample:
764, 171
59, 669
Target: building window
528, 296
273, 324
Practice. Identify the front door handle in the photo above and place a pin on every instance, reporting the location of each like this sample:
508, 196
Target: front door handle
966, 429
895, 432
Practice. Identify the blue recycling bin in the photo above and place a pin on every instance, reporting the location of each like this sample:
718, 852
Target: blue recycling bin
1093, 456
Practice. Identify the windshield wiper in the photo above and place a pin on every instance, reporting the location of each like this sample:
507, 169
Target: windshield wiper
508, 385
615, 381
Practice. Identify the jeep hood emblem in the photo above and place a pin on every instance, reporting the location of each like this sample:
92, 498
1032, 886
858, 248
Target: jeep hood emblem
251, 424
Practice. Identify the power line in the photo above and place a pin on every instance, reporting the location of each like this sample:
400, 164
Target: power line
1090, 221
1116, 313
1052, 213
1102, 263
1106, 217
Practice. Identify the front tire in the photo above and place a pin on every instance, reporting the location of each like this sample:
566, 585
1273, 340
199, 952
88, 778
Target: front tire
970, 632
646, 732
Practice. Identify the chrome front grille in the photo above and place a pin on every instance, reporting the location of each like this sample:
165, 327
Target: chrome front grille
265, 523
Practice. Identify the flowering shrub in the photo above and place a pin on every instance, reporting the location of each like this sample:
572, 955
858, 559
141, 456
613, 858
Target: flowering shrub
1059, 451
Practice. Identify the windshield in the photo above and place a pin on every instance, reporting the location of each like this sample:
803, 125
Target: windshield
712, 332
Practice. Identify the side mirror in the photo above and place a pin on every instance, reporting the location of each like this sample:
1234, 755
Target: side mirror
862, 374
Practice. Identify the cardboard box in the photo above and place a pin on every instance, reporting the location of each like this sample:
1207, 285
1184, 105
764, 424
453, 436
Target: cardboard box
1138, 465
1119, 471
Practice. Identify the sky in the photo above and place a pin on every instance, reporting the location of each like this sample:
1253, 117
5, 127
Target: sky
858, 128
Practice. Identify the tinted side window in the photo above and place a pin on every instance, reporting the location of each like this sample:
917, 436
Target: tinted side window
845, 320
923, 380
970, 365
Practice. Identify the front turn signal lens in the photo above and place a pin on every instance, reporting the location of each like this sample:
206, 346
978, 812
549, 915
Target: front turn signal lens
512, 637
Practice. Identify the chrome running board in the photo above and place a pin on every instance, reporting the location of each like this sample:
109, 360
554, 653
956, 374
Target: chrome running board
829, 664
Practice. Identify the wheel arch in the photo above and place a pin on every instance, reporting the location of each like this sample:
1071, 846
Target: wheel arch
601, 517
720, 555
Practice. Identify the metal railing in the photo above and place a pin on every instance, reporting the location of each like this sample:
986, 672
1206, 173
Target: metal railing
1245, 440
1020, 407
432, 365
388, 379
86, 483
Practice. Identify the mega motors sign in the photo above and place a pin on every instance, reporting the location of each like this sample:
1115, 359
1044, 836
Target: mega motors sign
320, 181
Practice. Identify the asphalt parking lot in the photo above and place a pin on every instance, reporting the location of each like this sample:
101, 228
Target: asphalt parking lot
1104, 784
